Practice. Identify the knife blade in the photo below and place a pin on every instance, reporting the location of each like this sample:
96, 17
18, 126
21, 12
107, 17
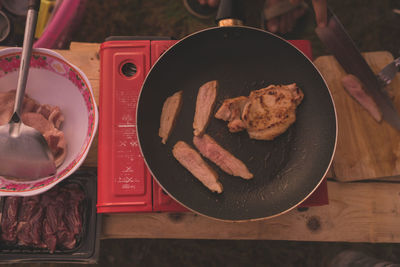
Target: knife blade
387, 74
340, 44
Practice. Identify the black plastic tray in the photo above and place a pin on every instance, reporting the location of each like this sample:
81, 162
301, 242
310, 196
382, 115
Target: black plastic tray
88, 243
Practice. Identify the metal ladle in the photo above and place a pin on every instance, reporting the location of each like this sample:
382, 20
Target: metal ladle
24, 153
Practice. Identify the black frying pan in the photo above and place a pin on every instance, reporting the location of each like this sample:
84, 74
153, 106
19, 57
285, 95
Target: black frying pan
286, 170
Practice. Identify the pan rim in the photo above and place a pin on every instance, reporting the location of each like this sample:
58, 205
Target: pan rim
315, 68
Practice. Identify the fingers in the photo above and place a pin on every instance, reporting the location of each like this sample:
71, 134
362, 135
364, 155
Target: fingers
202, 2
213, 3
273, 25
295, 2
320, 10
285, 22
299, 12
291, 21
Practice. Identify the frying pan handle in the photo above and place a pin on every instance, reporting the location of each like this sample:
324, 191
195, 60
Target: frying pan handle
230, 13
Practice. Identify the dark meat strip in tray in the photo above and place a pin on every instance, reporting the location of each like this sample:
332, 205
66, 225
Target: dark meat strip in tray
65, 237
221, 157
9, 220
30, 221
73, 218
50, 222
55, 230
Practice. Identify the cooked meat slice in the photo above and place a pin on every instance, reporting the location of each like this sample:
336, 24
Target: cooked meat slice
7, 100
356, 89
54, 137
236, 125
52, 114
217, 154
204, 104
271, 110
37, 121
193, 162
47, 119
231, 110
169, 114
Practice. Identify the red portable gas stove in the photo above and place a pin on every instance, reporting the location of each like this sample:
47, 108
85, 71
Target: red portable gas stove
124, 182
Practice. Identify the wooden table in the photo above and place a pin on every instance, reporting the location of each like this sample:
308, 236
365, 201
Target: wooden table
362, 211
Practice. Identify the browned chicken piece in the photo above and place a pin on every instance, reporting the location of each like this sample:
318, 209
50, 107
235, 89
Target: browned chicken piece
271, 110
210, 149
265, 114
231, 110
356, 89
194, 163
169, 114
204, 104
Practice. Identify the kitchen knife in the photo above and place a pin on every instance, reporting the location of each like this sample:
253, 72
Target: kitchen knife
338, 41
387, 74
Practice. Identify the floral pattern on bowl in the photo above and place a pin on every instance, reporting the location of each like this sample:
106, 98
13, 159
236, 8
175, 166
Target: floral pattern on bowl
48, 60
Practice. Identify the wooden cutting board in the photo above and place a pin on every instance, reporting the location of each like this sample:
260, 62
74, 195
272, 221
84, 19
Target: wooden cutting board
366, 149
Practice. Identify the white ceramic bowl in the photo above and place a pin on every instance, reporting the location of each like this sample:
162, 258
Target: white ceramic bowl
52, 80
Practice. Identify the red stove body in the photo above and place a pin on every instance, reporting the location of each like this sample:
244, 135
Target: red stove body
124, 182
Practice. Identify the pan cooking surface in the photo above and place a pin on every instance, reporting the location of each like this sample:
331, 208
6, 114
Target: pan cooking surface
286, 170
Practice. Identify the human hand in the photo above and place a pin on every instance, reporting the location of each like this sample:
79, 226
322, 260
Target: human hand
320, 10
284, 23
210, 3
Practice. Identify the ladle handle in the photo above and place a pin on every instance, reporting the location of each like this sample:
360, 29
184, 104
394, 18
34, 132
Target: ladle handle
30, 26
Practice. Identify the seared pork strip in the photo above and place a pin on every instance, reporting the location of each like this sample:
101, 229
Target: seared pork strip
193, 162
356, 89
169, 114
204, 104
217, 154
